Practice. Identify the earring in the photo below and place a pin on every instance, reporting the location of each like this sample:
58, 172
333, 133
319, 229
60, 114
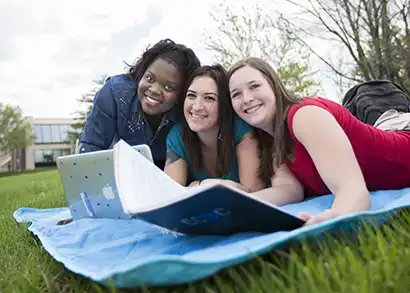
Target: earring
220, 136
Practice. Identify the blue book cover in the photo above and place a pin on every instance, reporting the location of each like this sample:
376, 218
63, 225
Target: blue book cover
147, 193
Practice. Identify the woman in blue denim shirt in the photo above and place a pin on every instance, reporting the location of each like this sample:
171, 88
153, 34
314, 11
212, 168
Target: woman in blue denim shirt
141, 106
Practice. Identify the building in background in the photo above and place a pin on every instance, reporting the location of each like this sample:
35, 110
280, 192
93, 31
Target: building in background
51, 141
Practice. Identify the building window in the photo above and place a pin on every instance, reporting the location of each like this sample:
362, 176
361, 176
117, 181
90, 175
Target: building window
64, 130
48, 157
51, 133
55, 133
39, 156
38, 133
46, 129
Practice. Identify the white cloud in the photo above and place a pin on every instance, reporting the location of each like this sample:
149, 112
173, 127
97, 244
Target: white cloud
52, 50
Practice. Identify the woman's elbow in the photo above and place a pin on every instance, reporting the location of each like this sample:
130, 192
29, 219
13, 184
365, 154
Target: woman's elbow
297, 193
253, 186
294, 193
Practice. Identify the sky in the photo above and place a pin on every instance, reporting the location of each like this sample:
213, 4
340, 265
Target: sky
51, 51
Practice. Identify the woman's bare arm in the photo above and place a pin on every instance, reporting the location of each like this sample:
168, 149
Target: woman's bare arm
176, 168
248, 163
334, 158
286, 188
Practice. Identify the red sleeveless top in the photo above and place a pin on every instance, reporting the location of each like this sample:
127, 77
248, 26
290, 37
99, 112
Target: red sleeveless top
384, 157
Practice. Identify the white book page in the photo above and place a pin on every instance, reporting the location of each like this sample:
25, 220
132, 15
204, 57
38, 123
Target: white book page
140, 183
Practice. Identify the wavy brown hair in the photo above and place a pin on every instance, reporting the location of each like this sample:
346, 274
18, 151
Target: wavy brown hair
273, 150
226, 138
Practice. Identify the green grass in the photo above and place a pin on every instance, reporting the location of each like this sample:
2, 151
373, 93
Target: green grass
377, 261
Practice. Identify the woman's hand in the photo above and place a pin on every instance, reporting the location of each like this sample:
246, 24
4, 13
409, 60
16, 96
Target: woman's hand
319, 218
194, 184
229, 183
210, 181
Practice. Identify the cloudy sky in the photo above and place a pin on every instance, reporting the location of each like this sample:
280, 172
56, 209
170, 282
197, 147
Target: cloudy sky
50, 51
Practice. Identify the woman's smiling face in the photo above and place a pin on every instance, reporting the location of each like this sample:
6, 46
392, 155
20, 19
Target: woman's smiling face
201, 104
159, 87
252, 97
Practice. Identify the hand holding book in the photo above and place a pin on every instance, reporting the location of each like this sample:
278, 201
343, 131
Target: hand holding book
224, 182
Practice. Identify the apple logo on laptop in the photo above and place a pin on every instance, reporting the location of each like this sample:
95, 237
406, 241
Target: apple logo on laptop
107, 192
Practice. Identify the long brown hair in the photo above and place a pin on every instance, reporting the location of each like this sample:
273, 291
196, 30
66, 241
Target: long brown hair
226, 141
273, 150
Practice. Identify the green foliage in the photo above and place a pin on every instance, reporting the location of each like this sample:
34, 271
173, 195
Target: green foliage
395, 48
250, 31
296, 75
15, 131
86, 104
374, 36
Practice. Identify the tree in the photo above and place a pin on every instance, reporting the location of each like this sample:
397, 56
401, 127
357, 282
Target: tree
86, 103
15, 131
243, 33
374, 35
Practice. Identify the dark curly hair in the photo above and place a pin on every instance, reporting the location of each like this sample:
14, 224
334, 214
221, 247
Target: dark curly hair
180, 55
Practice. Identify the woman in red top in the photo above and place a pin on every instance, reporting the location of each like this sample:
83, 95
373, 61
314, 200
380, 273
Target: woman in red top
313, 146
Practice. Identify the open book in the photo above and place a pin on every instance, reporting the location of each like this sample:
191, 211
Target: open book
147, 193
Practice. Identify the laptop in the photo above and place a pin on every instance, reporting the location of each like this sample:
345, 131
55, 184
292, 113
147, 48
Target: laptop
89, 183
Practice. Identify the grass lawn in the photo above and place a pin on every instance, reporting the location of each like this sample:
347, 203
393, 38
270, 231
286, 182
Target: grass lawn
377, 261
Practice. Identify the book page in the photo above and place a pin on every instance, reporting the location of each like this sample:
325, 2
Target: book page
140, 183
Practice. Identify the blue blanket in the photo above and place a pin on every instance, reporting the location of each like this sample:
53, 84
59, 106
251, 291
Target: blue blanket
133, 252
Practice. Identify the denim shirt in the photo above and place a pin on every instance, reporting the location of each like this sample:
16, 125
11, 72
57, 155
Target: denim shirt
117, 114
